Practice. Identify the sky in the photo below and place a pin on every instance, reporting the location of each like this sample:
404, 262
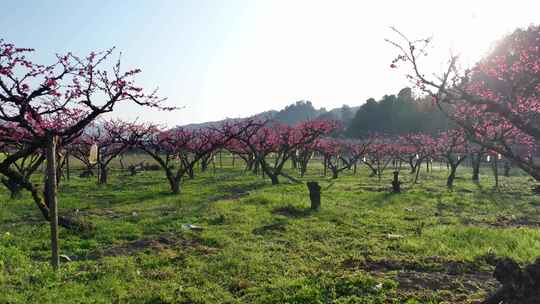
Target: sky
235, 58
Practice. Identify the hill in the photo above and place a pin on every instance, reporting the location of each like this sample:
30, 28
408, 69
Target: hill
292, 114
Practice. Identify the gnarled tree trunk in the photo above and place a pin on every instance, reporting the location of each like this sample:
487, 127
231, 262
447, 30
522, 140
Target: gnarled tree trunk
174, 182
476, 159
104, 175
451, 176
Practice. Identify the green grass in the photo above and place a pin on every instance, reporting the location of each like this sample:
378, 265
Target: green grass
267, 247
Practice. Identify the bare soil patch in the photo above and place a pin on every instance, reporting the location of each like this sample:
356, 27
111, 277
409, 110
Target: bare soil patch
457, 281
155, 244
504, 221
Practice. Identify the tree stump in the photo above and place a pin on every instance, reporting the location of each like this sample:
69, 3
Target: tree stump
314, 195
396, 184
519, 285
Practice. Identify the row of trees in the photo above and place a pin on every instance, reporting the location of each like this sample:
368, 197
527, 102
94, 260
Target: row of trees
264, 146
379, 152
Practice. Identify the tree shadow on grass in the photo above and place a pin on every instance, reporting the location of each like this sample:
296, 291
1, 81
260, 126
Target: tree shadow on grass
292, 211
242, 188
107, 200
383, 199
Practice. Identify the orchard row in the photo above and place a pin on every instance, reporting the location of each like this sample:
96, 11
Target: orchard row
47, 111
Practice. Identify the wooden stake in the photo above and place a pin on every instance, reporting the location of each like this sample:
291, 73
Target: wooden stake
52, 199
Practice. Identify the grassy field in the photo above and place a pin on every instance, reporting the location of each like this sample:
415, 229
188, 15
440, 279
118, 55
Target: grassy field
261, 244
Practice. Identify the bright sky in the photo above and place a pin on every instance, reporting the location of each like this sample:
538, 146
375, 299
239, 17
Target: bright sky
235, 58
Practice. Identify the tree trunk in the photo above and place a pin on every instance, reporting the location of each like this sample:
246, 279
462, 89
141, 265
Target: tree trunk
507, 167
103, 177
52, 199
334, 173
373, 172
274, 179
66, 222
220, 161
495, 166
250, 165
475, 162
191, 173
175, 187
174, 184
451, 176
204, 164
255, 164
396, 184
121, 161
314, 195
413, 167
68, 173
98, 162
418, 165
59, 171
